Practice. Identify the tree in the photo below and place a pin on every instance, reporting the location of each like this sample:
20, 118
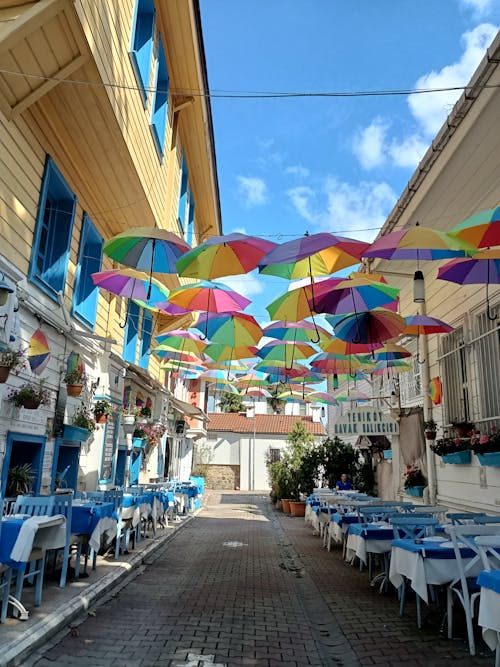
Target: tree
302, 460
276, 403
231, 402
337, 457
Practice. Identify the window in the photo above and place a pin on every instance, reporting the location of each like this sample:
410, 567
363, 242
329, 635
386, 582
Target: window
131, 332
146, 333
456, 376
89, 261
142, 43
487, 344
181, 215
54, 226
160, 100
274, 455
189, 233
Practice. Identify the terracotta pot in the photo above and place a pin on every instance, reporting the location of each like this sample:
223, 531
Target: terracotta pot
298, 507
4, 373
285, 505
31, 404
430, 435
74, 389
101, 418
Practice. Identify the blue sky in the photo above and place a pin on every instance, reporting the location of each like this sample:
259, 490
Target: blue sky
290, 165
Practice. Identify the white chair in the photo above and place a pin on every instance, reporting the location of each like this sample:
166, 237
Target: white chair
489, 550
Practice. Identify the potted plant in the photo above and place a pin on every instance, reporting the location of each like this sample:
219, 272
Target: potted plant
139, 438
19, 480
145, 412
430, 428
29, 396
102, 409
9, 360
74, 381
415, 482
81, 427
452, 450
487, 447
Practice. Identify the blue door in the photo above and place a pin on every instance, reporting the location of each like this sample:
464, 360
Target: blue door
67, 459
135, 466
21, 449
121, 462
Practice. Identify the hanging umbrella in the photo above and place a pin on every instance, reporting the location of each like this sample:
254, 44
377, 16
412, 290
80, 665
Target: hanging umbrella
482, 230
373, 326
345, 348
218, 376
147, 249
417, 325
390, 367
223, 388
352, 396
326, 363
353, 295
233, 329
277, 370
38, 352
252, 379
233, 366
180, 341
290, 395
256, 392
287, 351
389, 352
228, 255
295, 331
481, 269
221, 352
131, 284
321, 397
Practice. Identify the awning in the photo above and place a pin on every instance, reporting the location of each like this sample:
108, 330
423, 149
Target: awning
187, 408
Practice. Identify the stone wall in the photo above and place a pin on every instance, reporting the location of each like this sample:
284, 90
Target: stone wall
222, 476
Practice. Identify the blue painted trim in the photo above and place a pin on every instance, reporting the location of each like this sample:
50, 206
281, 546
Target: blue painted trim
146, 335
144, 19
190, 226
181, 211
159, 106
131, 333
83, 281
11, 438
57, 445
115, 453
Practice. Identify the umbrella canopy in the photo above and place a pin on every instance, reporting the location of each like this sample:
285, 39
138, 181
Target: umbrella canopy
277, 370
291, 395
131, 284
221, 352
256, 392
252, 379
283, 350
375, 326
328, 364
38, 352
352, 295
234, 366
482, 230
321, 397
417, 243
219, 376
344, 348
208, 296
417, 325
312, 255
180, 341
300, 331
389, 367
353, 396
234, 329
227, 255
390, 352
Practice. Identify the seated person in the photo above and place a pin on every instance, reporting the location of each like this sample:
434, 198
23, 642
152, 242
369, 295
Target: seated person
343, 484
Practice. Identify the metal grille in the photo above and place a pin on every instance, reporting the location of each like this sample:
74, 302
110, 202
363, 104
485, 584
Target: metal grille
274, 455
410, 384
487, 345
456, 377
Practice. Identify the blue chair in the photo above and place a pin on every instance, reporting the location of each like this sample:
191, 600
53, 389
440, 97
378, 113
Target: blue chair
63, 504
483, 520
5, 578
114, 496
464, 518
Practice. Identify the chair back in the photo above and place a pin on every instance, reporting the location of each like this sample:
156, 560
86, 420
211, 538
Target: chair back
34, 505
463, 518
487, 519
433, 510
63, 504
466, 536
371, 513
135, 490
489, 550
413, 527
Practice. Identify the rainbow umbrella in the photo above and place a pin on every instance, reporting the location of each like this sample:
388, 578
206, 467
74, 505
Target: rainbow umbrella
147, 249
221, 352
218, 376
481, 269
329, 364
290, 395
391, 367
284, 350
222, 388
234, 329
38, 352
208, 296
178, 341
256, 392
294, 331
373, 326
417, 325
389, 352
228, 255
482, 230
353, 295
321, 397
234, 366
353, 396
277, 370
131, 284
252, 379
342, 348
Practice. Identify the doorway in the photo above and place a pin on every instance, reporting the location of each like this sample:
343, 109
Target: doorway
22, 449
65, 470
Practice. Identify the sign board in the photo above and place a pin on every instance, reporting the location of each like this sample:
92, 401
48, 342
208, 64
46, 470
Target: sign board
109, 447
366, 421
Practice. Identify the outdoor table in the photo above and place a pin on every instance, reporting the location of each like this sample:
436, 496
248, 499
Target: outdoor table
94, 520
429, 561
22, 534
489, 608
338, 525
362, 539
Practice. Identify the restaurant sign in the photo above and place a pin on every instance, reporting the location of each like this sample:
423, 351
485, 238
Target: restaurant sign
366, 421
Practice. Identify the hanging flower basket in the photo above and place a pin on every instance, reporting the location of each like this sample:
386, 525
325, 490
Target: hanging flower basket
4, 373
74, 433
457, 457
29, 396
415, 491
31, 403
74, 389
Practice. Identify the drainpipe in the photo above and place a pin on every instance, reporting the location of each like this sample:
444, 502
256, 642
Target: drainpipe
431, 461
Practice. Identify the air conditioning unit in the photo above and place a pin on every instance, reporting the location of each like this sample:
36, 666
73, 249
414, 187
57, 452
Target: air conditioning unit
180, 427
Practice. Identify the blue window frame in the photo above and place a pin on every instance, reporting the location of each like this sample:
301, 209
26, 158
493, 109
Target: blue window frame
146, 333
160, 99
131, 332
21, 448
181, 215
141, 48
85, 292
53, 230
190, 227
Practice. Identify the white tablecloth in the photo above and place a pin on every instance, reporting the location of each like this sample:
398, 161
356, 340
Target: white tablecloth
489, 616
360, 546
41, 532
105, 527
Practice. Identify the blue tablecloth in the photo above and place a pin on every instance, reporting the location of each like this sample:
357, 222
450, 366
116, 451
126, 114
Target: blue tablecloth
85, 517
343, 519
370, 532
8, 536
490, 580
190, 491
430, 548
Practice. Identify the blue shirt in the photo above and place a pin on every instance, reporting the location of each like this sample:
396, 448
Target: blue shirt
343, 486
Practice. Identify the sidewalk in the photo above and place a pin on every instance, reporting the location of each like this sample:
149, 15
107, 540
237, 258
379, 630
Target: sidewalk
60, 606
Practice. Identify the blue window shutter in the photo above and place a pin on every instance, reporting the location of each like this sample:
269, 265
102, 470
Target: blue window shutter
131, 332
146, 333
142, 43
183, 195
189, 235
160, 99
89, 261
53, 231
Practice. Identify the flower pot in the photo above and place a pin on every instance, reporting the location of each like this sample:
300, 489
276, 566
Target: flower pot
31, 403
74, 389
129, 419
139, 443
4, 373
285, 503
489, 458
430, 435
75, 433
457, 457
297, 508
415, 491
101, 418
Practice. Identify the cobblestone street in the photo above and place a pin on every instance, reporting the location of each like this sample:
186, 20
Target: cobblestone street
243, 584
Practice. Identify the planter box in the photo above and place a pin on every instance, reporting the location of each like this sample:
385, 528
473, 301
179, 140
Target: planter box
415, 491
457, 457
75, 433
298, 508
285, 504
387, 453
489, 458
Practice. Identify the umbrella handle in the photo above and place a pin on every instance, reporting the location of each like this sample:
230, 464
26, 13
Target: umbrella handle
293, 352
122, 326
204, 336
419, 360
491, 316
317, 338
151, 269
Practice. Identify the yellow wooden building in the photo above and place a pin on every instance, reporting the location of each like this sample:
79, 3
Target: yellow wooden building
105, 125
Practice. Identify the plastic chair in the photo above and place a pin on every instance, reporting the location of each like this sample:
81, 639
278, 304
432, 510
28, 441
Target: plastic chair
464, 518
63, 504
465, 586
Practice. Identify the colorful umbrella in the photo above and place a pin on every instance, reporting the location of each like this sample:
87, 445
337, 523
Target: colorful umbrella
390, 367
208, 296
290, 395
284, 350
344, 348
417, 325
482, 230
131, 284
180, 341
233, 366
38, 352
221, 352
353, 396
389, 352
234, 329
329, 364
295, 331
417, 243
227, 255
256, 392
352, 295
147, 249
375, 326
218, 376
321, 397
481, 269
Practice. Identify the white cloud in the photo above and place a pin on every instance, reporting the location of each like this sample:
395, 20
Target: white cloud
479, 7
369, 144
409, 151
253, 190
431, 109
247, 285
238, 230
298, 170
301, 198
